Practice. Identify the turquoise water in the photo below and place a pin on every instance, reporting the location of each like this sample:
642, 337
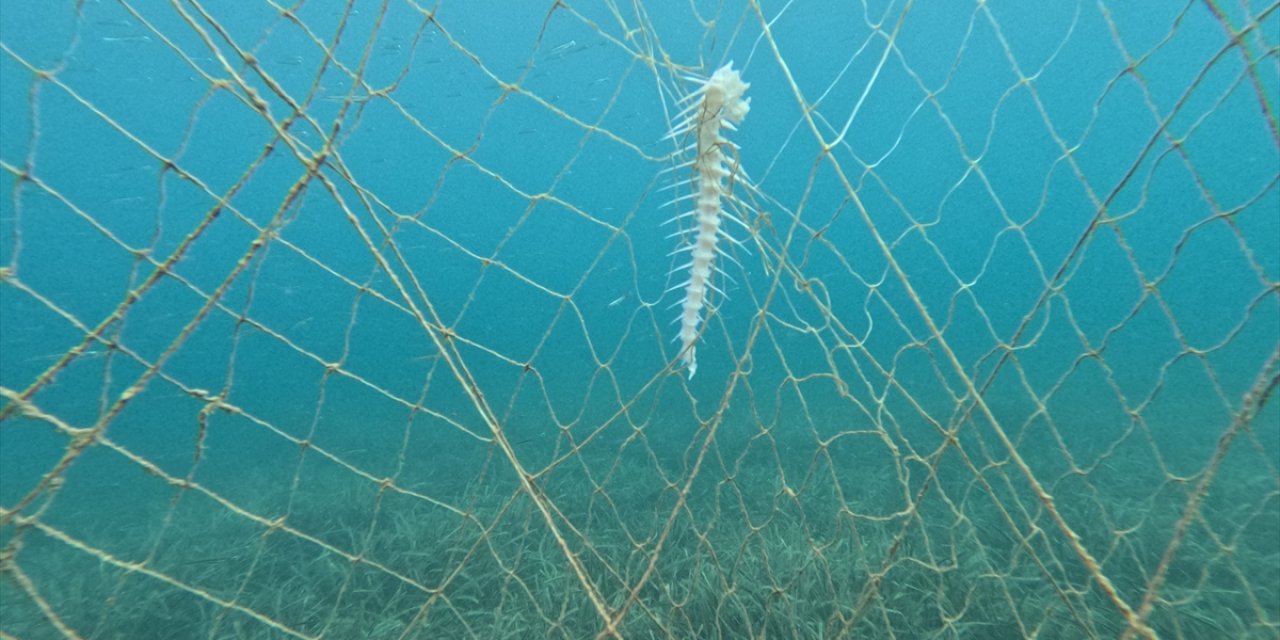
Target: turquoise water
349, 321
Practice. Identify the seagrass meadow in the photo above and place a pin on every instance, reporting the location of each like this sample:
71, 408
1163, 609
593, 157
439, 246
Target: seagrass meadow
354, 319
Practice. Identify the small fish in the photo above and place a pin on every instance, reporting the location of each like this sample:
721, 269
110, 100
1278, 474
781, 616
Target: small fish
121, 172
562, 48
618, 301
131, 39
87, 353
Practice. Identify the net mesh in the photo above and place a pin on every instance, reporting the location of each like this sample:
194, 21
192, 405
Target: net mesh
348, 320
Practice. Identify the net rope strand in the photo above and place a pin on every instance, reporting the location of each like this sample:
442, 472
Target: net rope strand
440, 339
359, 331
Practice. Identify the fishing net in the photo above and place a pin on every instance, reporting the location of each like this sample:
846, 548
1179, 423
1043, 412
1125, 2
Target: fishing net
355, 321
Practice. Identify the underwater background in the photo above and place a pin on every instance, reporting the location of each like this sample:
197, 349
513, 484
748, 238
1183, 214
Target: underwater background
354, 320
